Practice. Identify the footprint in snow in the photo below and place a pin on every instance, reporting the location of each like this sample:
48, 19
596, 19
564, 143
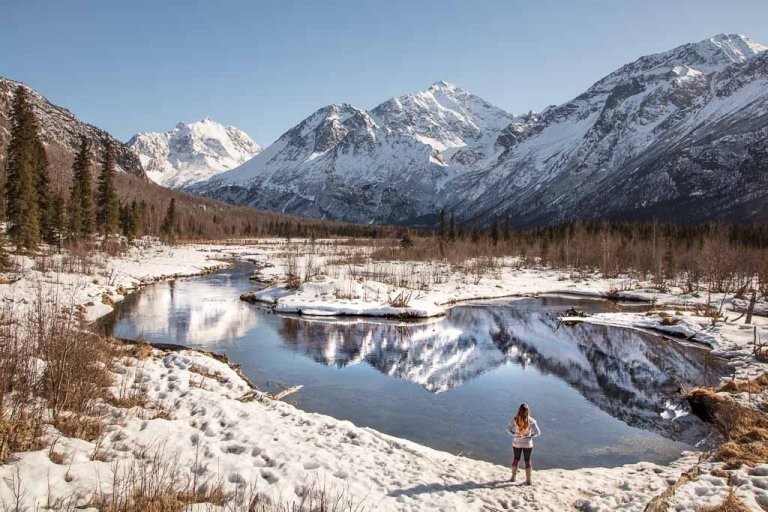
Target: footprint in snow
269, 476
236, 478
235, 448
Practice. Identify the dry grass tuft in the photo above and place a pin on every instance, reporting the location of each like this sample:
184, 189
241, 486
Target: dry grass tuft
660, 503
757, 385
81, 427
730, 504
401, 300
142, 350
745, 430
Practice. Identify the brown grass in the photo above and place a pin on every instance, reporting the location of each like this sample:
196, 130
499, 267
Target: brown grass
660, 503
730, 504
754, 386
207, 375
744, 430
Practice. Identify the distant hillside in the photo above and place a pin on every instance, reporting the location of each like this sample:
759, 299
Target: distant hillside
199, 217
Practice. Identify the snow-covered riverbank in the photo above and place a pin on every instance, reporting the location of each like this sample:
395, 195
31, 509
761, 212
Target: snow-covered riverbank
215, 436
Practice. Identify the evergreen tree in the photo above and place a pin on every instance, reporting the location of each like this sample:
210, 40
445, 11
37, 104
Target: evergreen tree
475, 237
441, 229
507, 230
21, 186
168, 227
138, 212
81, 217
44, 196
57, 223
670, 268
495, 230
452, 228
108, 213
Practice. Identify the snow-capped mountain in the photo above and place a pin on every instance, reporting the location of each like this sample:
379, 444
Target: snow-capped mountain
386, 165
61, 131
460, 126
679, 135
192, 152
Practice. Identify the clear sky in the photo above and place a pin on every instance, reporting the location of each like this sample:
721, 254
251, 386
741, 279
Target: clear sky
263, 66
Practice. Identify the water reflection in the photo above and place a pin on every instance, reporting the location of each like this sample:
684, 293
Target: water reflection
630, 375
449, 383
188, 311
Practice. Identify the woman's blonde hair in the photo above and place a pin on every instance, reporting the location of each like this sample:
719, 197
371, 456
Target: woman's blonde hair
523, 419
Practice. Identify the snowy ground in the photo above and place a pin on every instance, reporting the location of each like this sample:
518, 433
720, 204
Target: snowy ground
280, 451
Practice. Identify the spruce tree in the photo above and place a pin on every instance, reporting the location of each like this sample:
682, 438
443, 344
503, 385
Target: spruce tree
452, 228
81, 217
44, 197
475, 237
108, 213
57, 220
168, 227
507, 230
495, 230
21, 191
441, 229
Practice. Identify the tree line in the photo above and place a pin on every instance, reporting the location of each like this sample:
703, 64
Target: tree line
721, 257
35, 212
87, 210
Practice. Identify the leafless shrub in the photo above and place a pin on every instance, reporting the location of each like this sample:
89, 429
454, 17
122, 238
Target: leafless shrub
401, 300
292, 275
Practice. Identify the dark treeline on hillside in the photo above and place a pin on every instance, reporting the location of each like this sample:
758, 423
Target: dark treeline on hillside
722, 257
44, 202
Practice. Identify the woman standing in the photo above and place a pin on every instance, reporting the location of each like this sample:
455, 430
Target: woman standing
523, 429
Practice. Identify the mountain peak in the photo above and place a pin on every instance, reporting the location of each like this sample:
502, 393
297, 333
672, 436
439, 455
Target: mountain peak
442, 85
735, 47
192, 152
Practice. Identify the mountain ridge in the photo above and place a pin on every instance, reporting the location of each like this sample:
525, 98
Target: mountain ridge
685, 126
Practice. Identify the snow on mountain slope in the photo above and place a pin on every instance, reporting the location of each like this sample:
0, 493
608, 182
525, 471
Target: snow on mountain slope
676, 135
338, 163
192, 152
672, 135
460, 125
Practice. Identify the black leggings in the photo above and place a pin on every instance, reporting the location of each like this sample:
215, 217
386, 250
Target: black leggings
526, 455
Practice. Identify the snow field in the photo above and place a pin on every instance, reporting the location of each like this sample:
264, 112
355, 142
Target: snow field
281, 451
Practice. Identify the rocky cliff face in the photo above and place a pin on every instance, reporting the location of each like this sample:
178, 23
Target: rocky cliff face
192, 152
679, 135
61, 132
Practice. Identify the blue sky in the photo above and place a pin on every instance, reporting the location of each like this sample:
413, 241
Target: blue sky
264, 66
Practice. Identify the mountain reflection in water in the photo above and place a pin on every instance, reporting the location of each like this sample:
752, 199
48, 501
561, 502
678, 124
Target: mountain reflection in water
451, 383
628, 374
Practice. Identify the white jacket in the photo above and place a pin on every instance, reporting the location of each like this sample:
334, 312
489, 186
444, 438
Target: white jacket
523, 441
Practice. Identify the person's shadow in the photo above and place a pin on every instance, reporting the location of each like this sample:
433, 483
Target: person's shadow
463, 486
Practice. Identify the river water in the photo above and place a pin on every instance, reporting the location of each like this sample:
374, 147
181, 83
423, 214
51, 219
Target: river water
603, 396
